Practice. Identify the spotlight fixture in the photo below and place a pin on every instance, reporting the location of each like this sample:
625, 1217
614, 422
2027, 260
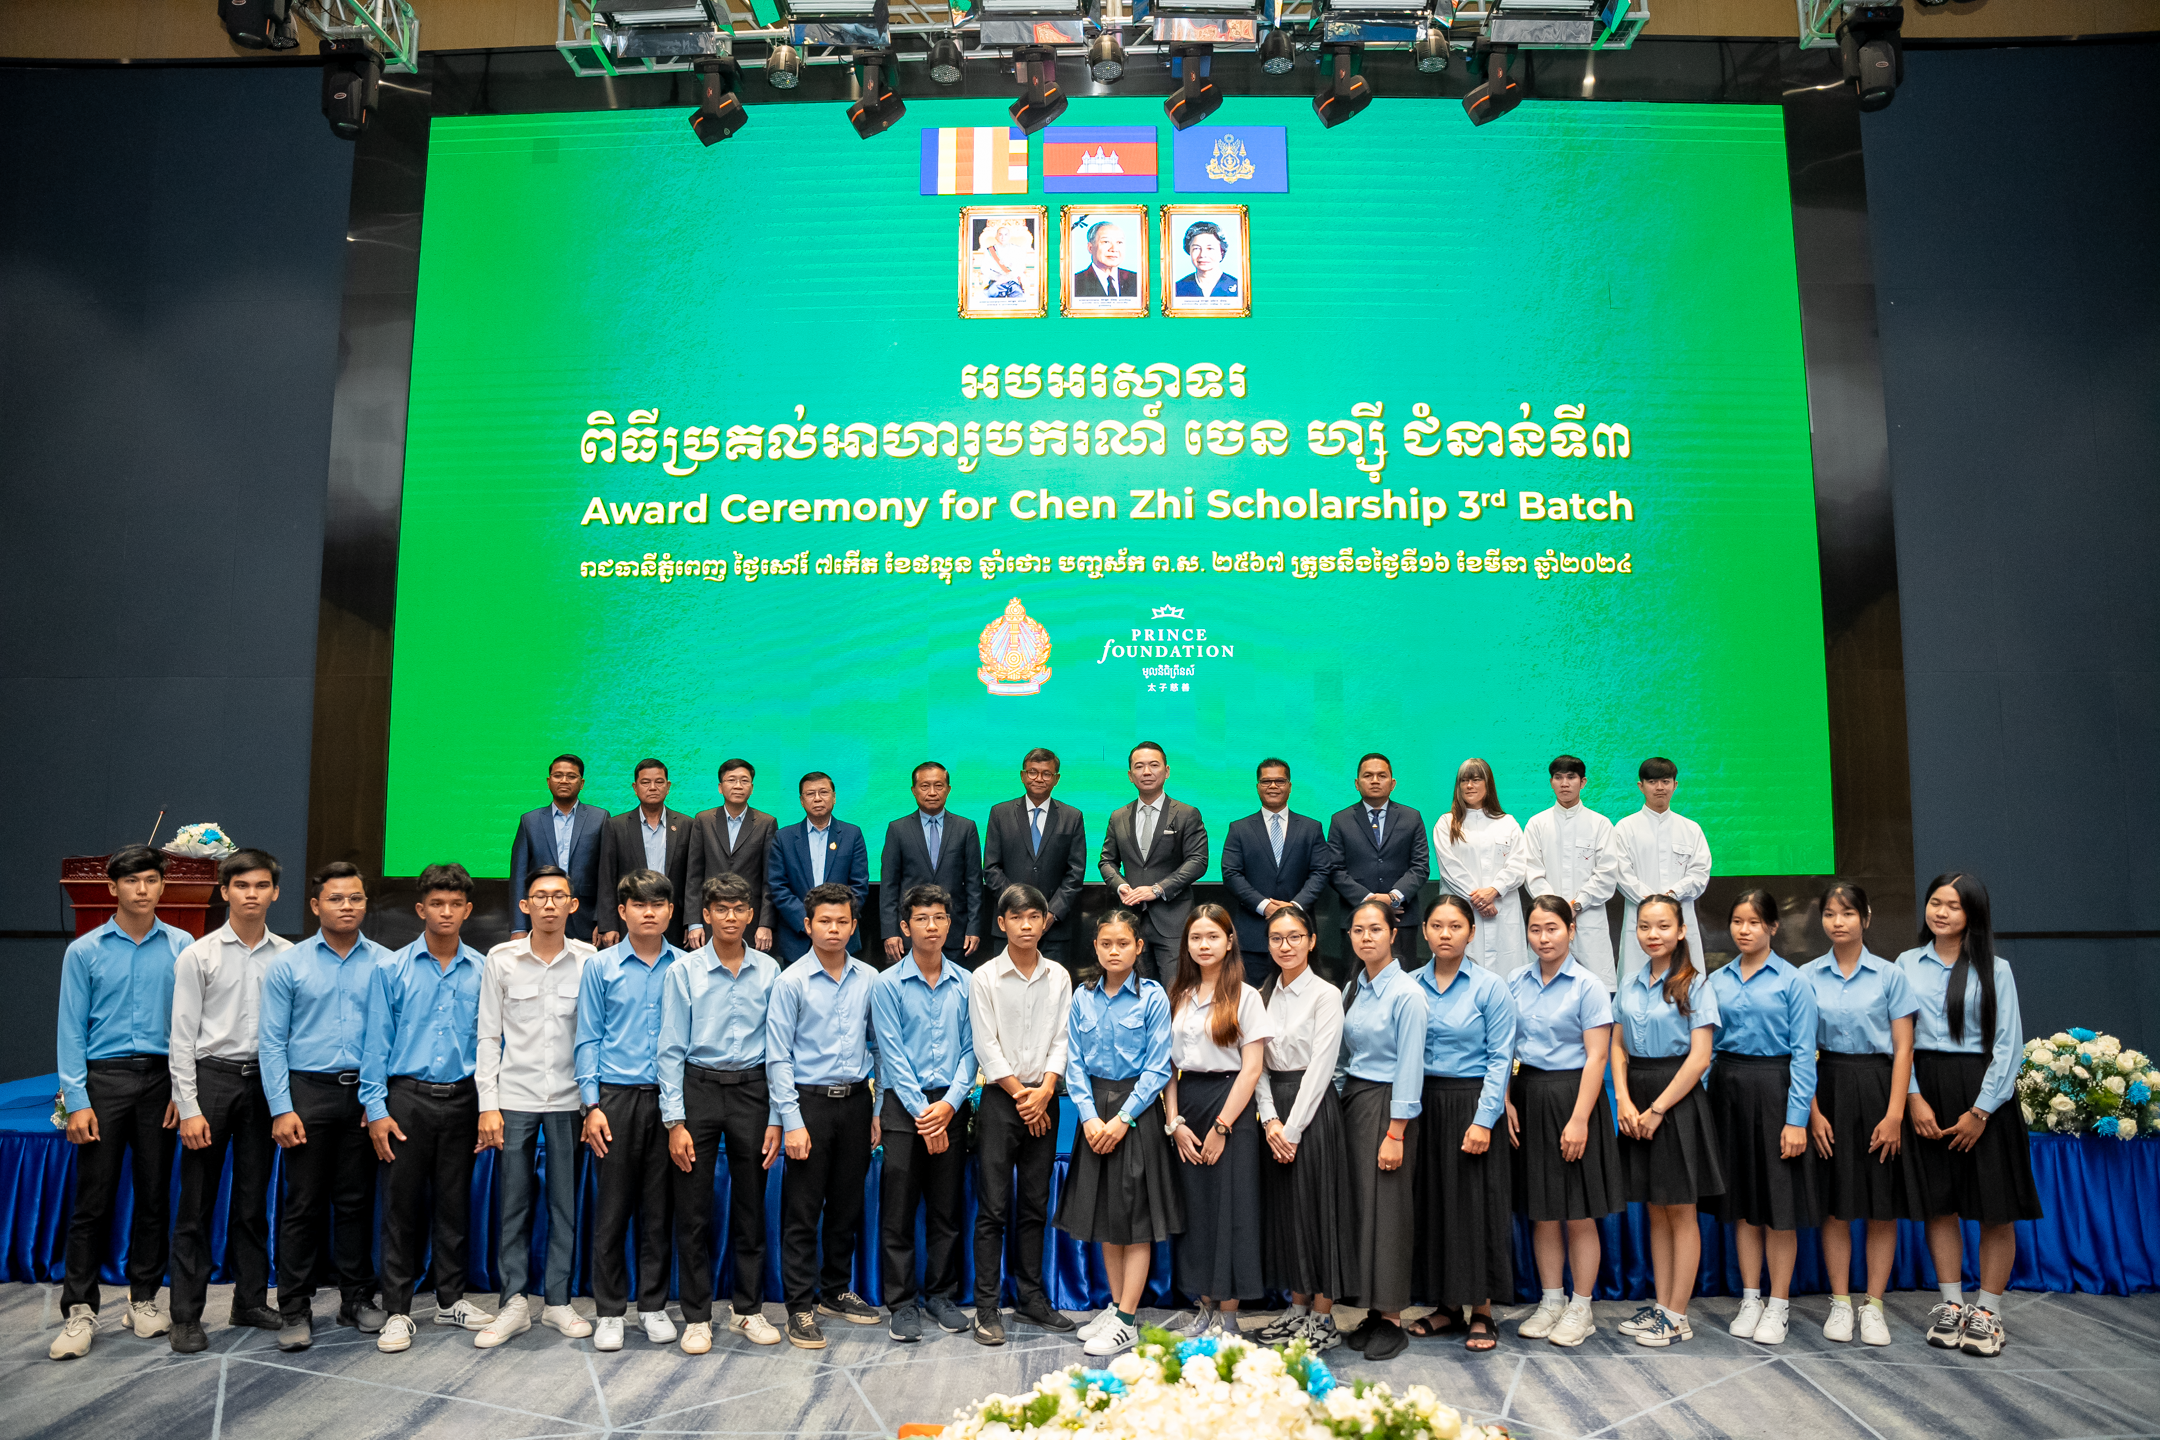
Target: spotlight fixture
1106, 59
1873, 52
259, 24
1197, 96
352, 74
1041, 100
945, 61
1276, 55
1431, 53
1345, 93
720, 110
1497, 91
783, 67
880, 107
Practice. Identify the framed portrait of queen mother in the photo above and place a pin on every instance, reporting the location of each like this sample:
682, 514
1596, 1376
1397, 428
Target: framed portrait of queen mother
1206, 262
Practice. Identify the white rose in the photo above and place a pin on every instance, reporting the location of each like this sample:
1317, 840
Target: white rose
2026, 1111
2061, 1040
2115, 1084
2062, 1105
2107, 1045
2081, 1072
2060, 1067
2126, 1125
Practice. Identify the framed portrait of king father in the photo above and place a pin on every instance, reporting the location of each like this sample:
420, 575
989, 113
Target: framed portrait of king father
1105, 261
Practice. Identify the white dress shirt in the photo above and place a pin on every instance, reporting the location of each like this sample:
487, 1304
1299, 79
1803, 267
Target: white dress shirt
1019, 1020
1192, 1043
217, 995
527, 1059
1571, 852
1307, 1016
1490, 853
1664, 854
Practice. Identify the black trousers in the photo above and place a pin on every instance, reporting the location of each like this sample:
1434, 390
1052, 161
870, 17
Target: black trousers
332, 1175
130, 1108
913, 1176
231, 1099
1158, 959
633, 1182
428, 1189
1003, 1148
822, 1198
732, 1115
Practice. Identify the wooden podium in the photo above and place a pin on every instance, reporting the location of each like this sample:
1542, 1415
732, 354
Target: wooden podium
190, 893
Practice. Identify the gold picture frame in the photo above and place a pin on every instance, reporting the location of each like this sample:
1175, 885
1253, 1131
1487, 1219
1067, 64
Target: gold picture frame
1082, 291
1000, 279
1232, 230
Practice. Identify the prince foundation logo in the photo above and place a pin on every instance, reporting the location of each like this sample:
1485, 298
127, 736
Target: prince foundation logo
1015, 653
1167, 637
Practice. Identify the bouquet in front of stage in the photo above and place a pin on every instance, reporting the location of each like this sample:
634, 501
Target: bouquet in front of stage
204, 841
1172, 1389
2082, 1082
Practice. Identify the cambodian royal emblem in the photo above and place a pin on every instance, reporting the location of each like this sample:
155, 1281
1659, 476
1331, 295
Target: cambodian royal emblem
1015, 653
1229, 163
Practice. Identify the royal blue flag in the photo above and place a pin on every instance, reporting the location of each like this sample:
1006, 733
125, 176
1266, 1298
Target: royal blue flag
1231, 159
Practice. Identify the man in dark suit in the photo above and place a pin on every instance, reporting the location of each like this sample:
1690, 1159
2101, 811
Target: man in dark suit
1380, 850
1153, 850
732, 839
651, 837
1269, 860
563, 833
1037, 841
1104, 276
817, 851
933, 846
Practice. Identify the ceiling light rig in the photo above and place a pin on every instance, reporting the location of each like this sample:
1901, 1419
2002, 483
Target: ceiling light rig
359, 40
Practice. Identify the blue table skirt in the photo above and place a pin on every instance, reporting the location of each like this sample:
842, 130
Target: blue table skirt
2096, 1237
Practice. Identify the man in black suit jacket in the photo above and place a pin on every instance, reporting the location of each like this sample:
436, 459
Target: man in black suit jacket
623, 849
1272, 859
1104, 276
1037, 841
1380, 851
540, 834
956, 868
730, 839
1153, 850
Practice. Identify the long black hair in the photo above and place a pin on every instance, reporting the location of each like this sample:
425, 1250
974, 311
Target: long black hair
1976, 952
1680, 974
1293, 911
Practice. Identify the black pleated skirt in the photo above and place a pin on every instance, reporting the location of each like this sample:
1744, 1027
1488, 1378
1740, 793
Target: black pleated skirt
1465, 1252
1383, 1203
1992, 1182
1219, 1253
1305, 1205
1747, 1105
1546, 1186
1853, 1092
1130, 1196
1679, 1164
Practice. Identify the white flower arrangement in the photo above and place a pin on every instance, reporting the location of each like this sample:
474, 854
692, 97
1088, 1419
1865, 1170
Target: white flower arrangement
1172, 1389
2082, 1082
206, 840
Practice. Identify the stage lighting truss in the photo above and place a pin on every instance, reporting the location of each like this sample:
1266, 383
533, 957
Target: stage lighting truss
388, 27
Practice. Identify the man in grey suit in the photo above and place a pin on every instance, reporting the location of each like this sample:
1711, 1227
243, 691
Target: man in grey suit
1153, 851
651, 837
1380, 851
565, 833
1037, 841
731, 839
933, 846
1270, 860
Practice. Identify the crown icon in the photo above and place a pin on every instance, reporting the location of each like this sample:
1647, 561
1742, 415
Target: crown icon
1168, 612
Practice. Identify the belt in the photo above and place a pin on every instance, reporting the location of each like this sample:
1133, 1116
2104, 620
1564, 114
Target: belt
1863, 1056
330, 1077
726, 1077
832, 1092
243, 1068
643, 1089
455, 1089
1213, 1074
136, 1064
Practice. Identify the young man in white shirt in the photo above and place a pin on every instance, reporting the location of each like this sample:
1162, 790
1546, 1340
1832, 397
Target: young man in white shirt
1662, 852
1017, 1005
1571, 852
526, 1072
217, 1085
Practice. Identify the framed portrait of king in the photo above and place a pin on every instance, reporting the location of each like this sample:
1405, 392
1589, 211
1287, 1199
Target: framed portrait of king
1001, 261
1105, 269
1206, 262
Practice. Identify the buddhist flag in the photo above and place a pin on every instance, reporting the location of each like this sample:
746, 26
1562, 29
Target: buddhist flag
1099, 158
983, 160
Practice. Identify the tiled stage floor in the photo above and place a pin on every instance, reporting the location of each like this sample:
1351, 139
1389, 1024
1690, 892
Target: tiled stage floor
2077, 1365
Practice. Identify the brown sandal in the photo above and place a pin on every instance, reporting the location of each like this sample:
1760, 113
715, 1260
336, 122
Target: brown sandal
1483, 1334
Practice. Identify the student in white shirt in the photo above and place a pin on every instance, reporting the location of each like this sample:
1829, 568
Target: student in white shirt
1662, 852
1570, 851
1480, 853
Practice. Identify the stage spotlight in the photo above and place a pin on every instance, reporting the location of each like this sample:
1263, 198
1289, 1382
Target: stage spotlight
1106, 59
352, 74
945, 61
1873, 52
1497, 91
880, 107
1345, 93
1041, 99
720, 110
1276, 55
783, 67
1197, 96
259, 24
1431, 54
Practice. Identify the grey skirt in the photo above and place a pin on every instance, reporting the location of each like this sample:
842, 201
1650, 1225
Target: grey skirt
1383, 1203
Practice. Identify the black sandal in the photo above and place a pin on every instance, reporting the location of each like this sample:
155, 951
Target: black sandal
1483, 1330
1434, 1325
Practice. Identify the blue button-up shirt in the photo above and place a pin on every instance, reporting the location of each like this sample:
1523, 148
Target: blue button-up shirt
817, 840
1930, 980
1652, 1026
655, 845
933, 832
734, 824
926, 1044
313, 1014
422, 1021
1852, 1016
565, 827
618, 1019
1771, 1012
115, 999
1118, 1035
712, 1017
1470, 1033
817, 1031
1552, 1018
1383, 1037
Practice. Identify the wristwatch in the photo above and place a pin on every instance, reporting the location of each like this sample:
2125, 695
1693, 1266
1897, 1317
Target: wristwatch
1124, 1118
1221, 1126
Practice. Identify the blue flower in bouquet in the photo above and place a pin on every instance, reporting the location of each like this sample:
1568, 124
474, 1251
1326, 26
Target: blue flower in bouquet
1203, 1345
2139, 1092
2081, 1036
1101, 1380
2105, 1127
1319, 1380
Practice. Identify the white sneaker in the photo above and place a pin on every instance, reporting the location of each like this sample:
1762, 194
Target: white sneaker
1541, 1321
397, 1334
1575, 1324
1193, 1325
1113, 1338
567, 1320
1744, 1323
1839, 1326
658, 1328
73, 1341
515, 1318
1095, 1326
1770, 1330
697, 1337
145, 1319
1283, 1327
465, 1315
607, 1333
1216, 1328
1643, 1322
1874, 1329
754, 1328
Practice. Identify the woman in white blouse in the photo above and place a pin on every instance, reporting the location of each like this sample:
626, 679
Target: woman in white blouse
1482, 858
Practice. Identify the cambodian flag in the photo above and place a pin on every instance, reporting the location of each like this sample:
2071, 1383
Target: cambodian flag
1098, 159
